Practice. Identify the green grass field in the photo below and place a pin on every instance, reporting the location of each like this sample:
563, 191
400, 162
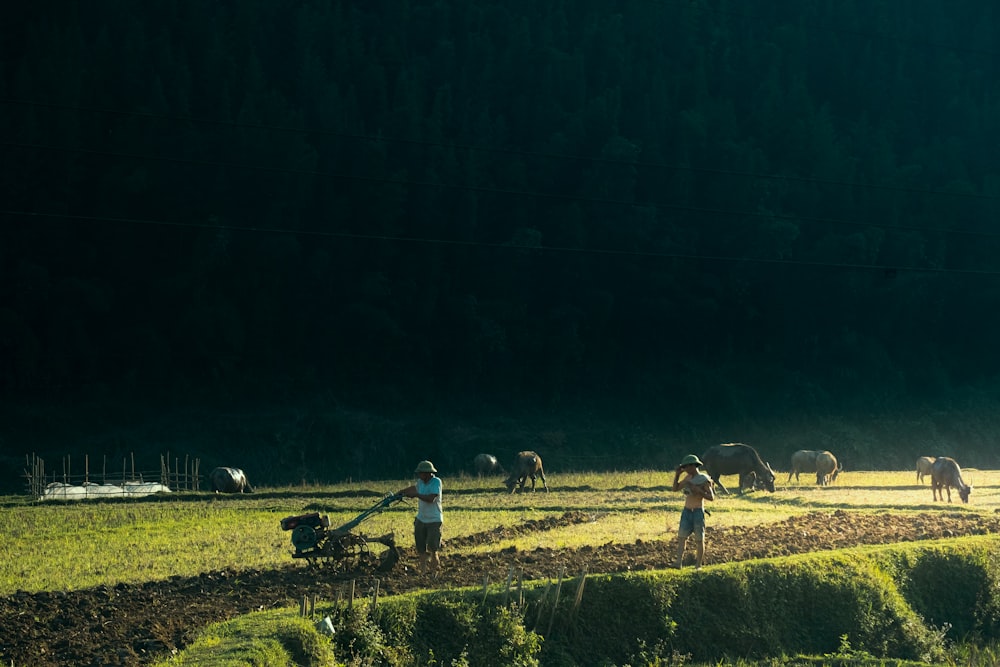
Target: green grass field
80, 544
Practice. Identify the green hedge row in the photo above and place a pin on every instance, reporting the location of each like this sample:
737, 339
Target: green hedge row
900, 602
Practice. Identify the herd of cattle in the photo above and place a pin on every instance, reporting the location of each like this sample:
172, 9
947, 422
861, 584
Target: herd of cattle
754, 472
718, 460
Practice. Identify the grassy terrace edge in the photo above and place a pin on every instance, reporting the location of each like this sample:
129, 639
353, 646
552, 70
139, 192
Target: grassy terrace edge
889, 605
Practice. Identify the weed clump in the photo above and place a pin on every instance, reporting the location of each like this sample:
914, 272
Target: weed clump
463, 632
304, 645
957, 587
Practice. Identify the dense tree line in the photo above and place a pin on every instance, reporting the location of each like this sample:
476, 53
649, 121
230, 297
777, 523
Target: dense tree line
696, 206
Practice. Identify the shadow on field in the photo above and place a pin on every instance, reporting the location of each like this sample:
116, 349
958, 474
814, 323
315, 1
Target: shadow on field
818, 503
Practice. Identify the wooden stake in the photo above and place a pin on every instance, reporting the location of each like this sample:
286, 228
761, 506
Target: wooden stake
541, 603
520, 589
375, 598
579, 593
555, 603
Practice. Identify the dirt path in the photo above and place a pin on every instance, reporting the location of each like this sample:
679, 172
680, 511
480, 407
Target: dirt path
137, 624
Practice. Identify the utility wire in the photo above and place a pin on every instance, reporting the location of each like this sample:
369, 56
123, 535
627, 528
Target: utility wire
511, 192
500, 150
888, 269
509, 151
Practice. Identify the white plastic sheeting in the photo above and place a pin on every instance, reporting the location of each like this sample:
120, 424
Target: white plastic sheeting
62, 491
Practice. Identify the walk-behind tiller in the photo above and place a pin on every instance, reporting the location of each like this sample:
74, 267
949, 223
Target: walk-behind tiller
338, 548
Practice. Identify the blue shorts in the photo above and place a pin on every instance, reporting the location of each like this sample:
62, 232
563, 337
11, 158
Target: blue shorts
692, 523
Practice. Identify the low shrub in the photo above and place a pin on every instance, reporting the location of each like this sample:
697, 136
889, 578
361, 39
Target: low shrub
444, 630
956, 588
616, 616
452, 631
359, 638
304, 645
762, 609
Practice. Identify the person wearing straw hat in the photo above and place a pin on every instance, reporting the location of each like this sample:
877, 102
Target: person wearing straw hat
697, 487
427, 524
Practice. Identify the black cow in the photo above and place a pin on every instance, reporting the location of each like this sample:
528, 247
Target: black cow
487, 464
804, 460
737, 459
230, 480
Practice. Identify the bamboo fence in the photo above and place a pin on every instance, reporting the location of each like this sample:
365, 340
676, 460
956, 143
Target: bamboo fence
171, 474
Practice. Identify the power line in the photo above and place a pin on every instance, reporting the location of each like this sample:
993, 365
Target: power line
501, 150
885, 268
511, 192
509, 151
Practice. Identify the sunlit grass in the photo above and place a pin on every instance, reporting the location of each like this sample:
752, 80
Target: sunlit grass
261, 638
53, 547
79, 544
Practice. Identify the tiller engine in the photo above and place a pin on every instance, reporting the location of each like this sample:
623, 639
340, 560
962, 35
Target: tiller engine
340, 549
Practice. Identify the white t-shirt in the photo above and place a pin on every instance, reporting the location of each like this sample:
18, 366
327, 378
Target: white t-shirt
429, 512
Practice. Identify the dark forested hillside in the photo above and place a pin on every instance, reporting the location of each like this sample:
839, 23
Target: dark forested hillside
673, 221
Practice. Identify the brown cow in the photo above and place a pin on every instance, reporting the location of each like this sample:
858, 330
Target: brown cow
924, 467
526, 464
945, 474
827, 468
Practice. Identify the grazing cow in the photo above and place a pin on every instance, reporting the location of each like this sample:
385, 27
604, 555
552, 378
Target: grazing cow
751, 482
230, 480
924, 467
526, 464
804, 460
945, 474
826, 468
486, 464
737, 459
